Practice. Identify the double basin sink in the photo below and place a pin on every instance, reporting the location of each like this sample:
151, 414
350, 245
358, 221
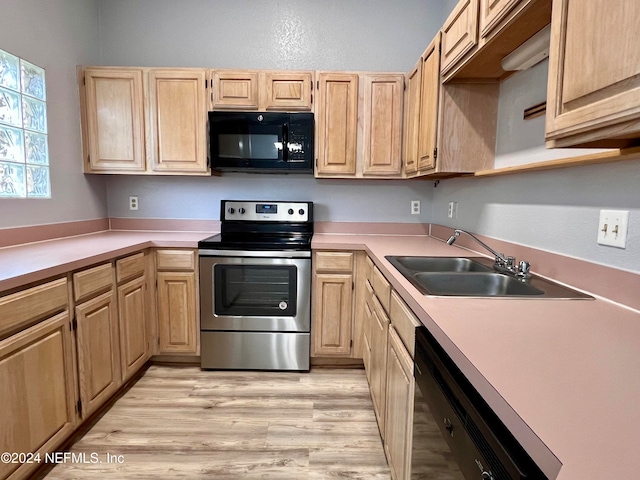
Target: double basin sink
474, 277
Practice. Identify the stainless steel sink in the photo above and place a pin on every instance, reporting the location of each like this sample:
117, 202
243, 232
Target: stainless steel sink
475, 277
475, 284
440, 264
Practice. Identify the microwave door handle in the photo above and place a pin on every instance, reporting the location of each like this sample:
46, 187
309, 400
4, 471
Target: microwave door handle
285, 142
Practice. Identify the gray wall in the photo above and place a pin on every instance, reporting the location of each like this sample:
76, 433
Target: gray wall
290, 34
56, 35
557, 210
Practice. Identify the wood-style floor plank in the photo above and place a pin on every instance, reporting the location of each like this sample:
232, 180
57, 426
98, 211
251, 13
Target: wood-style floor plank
184, 423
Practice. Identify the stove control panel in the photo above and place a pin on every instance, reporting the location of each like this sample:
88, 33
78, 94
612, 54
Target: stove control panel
252, 211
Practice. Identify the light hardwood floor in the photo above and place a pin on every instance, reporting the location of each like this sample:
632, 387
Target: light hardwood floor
181, 422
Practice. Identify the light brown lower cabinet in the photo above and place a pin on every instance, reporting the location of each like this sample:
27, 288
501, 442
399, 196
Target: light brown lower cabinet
177, 322
37, 398
99, 369
133, 326
400, 386
378, 376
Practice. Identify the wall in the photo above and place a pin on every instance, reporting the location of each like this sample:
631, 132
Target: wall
56, 35
371, 35
557, 210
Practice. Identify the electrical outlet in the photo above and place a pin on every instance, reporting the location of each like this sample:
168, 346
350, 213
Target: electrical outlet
415, 207
133, 203
452, 211
612, 228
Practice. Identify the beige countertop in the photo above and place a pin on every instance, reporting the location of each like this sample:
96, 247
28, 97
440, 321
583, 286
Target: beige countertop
33, 262
563, 375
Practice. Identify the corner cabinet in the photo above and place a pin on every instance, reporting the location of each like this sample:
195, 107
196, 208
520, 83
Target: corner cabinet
144, 121
593, 99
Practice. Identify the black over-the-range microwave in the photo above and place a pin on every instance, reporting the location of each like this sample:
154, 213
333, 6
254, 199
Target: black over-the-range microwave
261, 142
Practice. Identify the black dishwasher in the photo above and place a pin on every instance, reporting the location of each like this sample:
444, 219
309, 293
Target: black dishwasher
481, 446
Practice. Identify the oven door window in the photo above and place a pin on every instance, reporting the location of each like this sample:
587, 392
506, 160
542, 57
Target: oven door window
255, 290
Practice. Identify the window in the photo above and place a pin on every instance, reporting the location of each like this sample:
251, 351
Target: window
24, 155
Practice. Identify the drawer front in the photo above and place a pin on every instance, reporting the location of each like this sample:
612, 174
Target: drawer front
27, 306
381, 287
368, 271
334, 262
380, 311
130, 267
93, 280
404, 321
176, 260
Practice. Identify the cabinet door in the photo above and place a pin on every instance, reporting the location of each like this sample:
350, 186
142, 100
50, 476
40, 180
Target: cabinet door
98, 351
234, 90
337, 120
379, 329
382, 124
492, 12
114, 102
38, 391
133, 326
366, 336
412, 119
459, 33
399, 407
429, 96
333, 304
594, 71
287, 91
177, 323
178, 127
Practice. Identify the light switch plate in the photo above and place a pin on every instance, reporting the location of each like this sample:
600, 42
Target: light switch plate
612, 228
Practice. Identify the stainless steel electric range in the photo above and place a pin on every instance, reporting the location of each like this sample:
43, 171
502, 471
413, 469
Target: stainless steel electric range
255, 287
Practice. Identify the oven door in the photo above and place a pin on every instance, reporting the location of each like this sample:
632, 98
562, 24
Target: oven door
260, 294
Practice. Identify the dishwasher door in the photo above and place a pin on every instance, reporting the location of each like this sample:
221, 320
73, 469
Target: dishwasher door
479, 442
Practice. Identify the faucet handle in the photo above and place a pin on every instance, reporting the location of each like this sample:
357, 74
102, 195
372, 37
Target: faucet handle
524, 269
511, 262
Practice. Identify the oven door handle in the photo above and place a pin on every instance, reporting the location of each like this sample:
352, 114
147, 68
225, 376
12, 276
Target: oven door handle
255, 253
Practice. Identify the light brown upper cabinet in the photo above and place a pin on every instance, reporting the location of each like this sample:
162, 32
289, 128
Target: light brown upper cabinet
480, 33
459, 33
178, 120
286, 91
593, 98
429, 95
382, 124
144, 121
261, 90
450, 128
336, 124
359, 125
234, 90
114, 115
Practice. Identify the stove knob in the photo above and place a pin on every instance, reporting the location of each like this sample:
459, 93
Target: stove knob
291, 211
301, 211
241, 211
231, 210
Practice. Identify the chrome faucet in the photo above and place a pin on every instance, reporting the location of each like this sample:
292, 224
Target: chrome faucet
502, 264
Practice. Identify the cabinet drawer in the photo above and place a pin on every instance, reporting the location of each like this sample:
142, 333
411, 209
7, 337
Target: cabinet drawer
334, 262
404, 321
380, 311
381, 287
27, 306
368, 270
92, 280
176, 259
130, 267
